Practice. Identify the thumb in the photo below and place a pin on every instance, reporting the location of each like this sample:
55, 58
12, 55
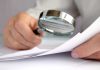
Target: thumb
34, 23
88, 48
35, 27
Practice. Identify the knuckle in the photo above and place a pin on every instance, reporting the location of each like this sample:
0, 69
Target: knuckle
22, 15
37, 41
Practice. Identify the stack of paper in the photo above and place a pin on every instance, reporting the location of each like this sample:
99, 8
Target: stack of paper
51, 45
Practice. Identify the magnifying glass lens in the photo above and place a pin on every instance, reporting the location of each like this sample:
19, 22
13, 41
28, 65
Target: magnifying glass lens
56, 22
56, 25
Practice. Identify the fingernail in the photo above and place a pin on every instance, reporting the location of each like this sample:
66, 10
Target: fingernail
40, 31
74, 55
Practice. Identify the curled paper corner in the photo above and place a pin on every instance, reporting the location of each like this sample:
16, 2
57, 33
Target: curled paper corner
78, 39
65, 47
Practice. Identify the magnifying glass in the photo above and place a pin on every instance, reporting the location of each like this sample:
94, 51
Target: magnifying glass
57, 22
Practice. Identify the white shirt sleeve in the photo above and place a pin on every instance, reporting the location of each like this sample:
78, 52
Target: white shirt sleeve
63, 5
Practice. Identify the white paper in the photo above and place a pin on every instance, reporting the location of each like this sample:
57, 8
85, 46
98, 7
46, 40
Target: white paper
78, 39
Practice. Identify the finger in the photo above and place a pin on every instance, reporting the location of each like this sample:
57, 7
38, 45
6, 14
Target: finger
39, 32
26, 31
88, 48
36, 27
95, 56
34, 24
11, 43
24, 17
18, 37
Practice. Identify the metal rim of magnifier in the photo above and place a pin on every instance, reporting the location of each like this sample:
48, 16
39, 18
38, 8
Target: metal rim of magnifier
55, 13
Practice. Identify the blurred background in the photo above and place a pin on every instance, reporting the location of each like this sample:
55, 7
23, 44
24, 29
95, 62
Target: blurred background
9, 8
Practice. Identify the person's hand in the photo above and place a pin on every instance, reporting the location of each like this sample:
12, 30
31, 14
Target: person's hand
19, 35
89, 49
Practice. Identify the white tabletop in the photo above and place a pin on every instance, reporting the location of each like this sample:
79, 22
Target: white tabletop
51, 62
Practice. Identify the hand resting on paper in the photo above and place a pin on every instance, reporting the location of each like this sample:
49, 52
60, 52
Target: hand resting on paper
89, 49
19, 32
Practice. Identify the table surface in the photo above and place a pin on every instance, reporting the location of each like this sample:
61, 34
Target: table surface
59, 62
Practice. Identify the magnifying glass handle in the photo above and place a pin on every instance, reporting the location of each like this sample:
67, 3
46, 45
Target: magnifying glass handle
36, 31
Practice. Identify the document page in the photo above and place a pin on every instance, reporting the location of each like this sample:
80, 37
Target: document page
52, 44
